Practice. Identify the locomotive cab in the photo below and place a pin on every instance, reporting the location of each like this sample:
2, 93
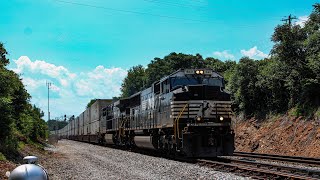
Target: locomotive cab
201, 114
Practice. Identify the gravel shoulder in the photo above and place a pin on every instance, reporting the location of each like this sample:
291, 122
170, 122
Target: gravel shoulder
77, 160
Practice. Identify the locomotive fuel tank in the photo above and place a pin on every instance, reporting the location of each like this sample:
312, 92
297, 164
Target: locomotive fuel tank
109, 139
144, 142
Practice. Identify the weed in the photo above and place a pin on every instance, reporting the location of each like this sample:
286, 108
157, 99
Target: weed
2, 157
21, 145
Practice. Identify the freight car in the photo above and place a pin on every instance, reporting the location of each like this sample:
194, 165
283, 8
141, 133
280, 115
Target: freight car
187, 113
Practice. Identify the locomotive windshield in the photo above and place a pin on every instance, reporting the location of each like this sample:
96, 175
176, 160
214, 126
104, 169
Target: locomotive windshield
183, 81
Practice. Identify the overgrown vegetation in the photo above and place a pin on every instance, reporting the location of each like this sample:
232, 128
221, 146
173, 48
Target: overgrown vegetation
91, 102
19, 120
287, 80
56, 124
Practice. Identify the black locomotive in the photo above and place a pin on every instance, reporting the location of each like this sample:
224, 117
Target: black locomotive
187, 113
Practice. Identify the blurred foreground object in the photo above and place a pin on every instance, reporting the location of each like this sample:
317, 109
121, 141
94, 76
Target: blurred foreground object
29, 171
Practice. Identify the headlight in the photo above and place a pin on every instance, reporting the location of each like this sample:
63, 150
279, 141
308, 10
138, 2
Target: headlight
201, 72
221, 118
197, 71
198, 118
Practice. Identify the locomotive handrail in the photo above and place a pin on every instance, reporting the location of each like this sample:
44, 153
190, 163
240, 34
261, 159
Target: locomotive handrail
176, 122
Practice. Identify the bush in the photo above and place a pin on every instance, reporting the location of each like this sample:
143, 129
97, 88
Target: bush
2, 157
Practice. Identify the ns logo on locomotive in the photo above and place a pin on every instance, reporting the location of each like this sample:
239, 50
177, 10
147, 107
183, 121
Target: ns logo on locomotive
187, 113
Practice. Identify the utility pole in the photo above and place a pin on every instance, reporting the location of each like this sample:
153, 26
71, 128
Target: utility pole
48, 84
289, 19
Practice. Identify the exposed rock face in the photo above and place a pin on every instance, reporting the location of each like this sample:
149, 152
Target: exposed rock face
284, 135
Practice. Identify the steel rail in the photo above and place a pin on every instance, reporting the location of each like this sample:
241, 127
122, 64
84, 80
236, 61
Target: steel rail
256, 170
296, 159
304, 171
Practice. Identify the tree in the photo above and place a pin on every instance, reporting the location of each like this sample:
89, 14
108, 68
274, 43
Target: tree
134, 82
290, 51
226, 68
56, 124
7, 90
177, 61
245, 94
271, 82
19, 120
3, 58
158, 68
91, 102
311, 84
215, 64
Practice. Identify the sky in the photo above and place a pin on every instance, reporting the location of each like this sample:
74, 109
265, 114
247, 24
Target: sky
85, 47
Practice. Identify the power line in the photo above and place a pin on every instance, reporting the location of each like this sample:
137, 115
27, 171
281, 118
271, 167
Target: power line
176, 4
128, 11
151, 14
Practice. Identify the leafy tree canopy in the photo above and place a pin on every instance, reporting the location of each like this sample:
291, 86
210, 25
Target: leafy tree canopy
91, 102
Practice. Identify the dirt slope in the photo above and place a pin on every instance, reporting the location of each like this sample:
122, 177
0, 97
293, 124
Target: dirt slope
284, 135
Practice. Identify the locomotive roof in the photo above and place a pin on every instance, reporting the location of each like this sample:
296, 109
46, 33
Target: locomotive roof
182, 72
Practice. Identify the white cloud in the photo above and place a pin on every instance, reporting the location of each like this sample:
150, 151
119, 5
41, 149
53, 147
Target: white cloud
64, 82
69, 92
302, 20
32, 83
62, 74
254, 53
101, 81
224, 54
54, 88
41, 67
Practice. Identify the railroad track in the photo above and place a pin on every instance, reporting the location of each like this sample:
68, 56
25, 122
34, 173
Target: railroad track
295, 159
258, 170
250, 168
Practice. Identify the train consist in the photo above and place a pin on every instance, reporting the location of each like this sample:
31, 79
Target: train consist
187, 113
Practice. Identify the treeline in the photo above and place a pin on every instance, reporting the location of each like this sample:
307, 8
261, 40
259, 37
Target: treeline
287, 80
56, 124
19, 120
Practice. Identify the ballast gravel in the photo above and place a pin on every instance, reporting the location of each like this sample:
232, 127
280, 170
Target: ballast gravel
77, 160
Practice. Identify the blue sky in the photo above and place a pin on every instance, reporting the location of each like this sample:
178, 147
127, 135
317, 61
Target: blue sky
85, 46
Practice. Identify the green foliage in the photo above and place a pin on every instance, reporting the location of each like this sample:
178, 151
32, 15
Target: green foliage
271, 82
244, 88
317, 113
159, 68
3, 59
115, 98
156, 70
21, 145
91, 102
290, 51
55, 124
2, 157
19, 120
134, 82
